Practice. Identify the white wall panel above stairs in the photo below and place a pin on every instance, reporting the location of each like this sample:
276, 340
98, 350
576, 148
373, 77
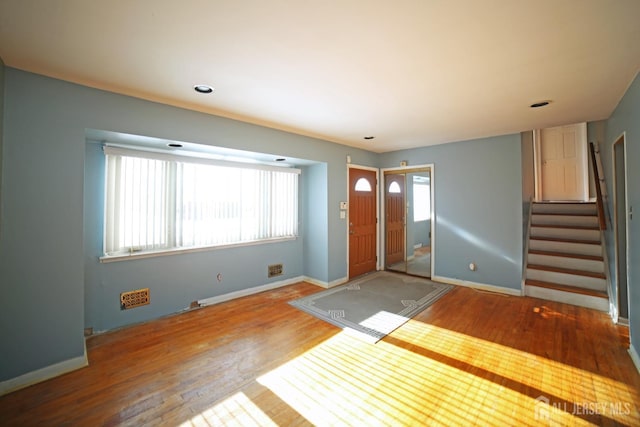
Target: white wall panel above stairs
565, 261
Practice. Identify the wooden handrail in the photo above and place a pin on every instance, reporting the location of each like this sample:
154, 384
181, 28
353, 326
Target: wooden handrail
596, 177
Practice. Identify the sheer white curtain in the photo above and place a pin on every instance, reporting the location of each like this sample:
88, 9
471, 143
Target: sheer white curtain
156, 201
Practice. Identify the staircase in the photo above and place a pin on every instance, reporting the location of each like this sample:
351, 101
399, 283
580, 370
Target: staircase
565, 260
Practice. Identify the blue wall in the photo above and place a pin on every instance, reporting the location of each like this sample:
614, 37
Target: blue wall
52, 284
477, 188
315, 209
51, 226
173, 281
2, 68
626, 118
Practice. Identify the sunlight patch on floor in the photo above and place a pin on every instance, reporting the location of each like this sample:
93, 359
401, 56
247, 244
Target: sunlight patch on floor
443, 377
425, 375
237, 410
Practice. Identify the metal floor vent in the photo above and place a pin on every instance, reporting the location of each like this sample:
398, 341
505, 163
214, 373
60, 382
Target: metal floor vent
134, 299
275, 270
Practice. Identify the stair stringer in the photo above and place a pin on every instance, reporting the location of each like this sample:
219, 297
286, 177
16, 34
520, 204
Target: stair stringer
525, 255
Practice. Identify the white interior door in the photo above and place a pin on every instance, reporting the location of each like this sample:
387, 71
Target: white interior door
563, 162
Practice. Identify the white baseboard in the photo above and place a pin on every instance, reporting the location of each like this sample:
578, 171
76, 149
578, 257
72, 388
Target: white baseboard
324, 284
43, 374
246, 292
635, 357
480, 286
613, 311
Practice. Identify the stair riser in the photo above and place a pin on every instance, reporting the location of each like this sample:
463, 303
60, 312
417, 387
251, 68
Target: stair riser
584, 221
596, 303
564, 262
568, 279
565, 208
566, 233
567, 248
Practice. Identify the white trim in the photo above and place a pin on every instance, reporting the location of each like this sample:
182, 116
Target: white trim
475, 285
186, 156
163, 252
622, 321
432, 186
43, 374
525, 261
537, 165
634, 357
613, 310
324, 284
250, 291
432, 240
623, 139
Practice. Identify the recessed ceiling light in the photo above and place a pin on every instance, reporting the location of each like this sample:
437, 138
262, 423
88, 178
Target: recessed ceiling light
540, 104
173, 145
203, 88
369, 137
280, 159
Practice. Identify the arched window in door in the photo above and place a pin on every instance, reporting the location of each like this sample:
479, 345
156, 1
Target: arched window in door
363, 184
394, 187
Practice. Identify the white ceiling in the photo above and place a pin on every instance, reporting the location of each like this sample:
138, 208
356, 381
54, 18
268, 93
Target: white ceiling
410, 72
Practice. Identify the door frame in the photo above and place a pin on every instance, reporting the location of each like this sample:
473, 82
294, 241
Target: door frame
616, 205
537, 161
383, 204
405, 169
376, 192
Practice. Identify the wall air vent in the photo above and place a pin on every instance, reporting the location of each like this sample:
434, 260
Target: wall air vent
134, 299
275, 270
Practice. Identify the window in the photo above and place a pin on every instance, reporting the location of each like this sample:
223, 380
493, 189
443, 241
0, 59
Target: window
162, 202
394, 187
363, 184
421, 198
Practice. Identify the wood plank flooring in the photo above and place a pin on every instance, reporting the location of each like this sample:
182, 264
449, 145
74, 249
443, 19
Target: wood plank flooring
471, 358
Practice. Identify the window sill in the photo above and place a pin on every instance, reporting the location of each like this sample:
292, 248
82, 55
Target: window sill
164, 252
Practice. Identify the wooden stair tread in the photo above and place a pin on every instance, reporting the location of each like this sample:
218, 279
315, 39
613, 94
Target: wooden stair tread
564, 202
566, 288
566, 255
565, 240
587, 214
566, 271
569, 227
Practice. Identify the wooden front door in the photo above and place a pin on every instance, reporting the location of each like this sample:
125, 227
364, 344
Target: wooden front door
362, 222
395, 212
564, 163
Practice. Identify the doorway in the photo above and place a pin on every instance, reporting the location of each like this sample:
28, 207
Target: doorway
620, 226
363, 221
408, 224
561, 163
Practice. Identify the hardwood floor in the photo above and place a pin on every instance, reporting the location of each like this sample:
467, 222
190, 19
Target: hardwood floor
471, 358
